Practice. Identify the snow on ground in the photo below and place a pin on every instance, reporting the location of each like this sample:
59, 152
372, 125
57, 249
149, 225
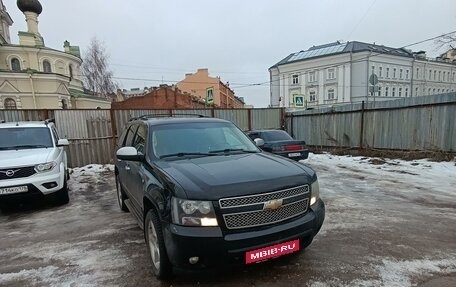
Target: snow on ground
389, 223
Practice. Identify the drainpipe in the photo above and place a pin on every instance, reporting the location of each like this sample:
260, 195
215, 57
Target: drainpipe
411, 75
33, 89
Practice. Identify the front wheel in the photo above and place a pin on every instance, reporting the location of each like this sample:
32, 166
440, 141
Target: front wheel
156, 246
61, 196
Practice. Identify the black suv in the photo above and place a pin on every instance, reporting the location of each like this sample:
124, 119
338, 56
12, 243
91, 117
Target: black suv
206, 195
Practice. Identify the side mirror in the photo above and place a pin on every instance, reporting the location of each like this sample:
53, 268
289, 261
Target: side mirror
63, 142
259, 142
129, 153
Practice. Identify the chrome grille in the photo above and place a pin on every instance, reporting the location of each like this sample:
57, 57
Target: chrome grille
261, 198
264, 217
18, 172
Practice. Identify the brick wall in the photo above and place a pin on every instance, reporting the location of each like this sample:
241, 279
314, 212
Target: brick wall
161, 98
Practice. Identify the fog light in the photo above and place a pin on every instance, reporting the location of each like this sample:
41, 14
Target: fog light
50, 185
193, 260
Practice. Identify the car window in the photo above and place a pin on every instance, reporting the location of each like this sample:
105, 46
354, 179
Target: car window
140, 139
198, 138
276, 136
25, 138
130, 135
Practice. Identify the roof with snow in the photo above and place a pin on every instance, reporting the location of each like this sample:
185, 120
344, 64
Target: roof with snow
335, 48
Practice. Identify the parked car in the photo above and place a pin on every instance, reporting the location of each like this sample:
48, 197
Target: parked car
33, 162
281, 143
205, 195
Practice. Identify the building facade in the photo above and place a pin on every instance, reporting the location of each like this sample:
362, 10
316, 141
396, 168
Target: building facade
199, 83
33, 76
338, 73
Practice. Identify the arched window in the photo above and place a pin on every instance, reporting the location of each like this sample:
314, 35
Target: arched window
64, 104
70, 68
15, 65
10, 104
47, 66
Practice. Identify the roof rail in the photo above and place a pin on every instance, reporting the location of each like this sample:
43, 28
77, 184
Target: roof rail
47, 121
151, 116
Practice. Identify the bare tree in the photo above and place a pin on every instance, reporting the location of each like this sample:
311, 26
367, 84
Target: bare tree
448, 41
95, 69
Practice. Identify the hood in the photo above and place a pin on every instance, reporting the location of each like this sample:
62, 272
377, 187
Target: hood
215, 177
24, 157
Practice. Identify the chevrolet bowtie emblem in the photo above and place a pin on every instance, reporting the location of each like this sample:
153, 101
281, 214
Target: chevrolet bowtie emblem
273, 204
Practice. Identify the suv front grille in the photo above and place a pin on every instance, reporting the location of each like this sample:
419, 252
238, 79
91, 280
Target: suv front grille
17, 172
251, 211
261, 198
263, 217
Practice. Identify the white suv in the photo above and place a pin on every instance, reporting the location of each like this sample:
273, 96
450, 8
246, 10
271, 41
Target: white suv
33, 162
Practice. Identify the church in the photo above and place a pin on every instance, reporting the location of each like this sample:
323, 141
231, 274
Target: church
33, 76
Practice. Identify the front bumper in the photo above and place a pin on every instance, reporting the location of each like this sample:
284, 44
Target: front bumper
214, 248
36, 184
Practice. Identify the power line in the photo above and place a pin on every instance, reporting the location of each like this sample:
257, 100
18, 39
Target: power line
362, 19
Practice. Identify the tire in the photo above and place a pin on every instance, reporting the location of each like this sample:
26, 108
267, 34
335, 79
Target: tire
121, 196
61, 196
161, 266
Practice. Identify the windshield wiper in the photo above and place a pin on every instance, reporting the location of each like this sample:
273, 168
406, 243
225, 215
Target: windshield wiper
227, 150
181, 154
28, 146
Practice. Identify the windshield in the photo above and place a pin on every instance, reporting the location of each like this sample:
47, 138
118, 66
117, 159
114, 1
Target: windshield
25, 138
198, 139
278, 135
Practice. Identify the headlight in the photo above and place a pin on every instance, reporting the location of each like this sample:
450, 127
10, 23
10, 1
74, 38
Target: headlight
314, 192
45, 166
193, 213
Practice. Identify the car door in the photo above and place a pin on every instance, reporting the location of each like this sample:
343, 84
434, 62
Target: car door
124, 166
136, 175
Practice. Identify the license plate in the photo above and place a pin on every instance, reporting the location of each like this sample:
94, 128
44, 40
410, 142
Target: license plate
271, 251
11, 190
294, 154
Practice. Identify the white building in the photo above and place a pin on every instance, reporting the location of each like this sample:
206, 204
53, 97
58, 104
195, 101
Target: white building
339, 73
33, 76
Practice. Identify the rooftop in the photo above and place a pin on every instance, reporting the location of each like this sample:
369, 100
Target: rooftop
340, 48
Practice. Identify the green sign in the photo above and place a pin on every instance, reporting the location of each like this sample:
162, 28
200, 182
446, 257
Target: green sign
210, 96
299, 101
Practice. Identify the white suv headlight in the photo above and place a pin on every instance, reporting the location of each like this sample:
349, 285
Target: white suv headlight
193, 213
314, 192
44, 167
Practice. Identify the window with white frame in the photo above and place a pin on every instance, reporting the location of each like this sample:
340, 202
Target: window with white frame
406, 92
454, 75
400, 92
15, 65
394, 73
416, 92
295, 79
312, 96
312, 77
440, 74
394, 92
438, 91
386, 91
430, 75
379, 91
429, 91
400, 74
380, 70
433, 91
417, 73
331, 74
47, 66
435, 75
331, 94
406, 74
387, 72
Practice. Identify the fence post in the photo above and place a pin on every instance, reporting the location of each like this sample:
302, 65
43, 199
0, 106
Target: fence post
283, 120
361, 132
113, 128
249, 116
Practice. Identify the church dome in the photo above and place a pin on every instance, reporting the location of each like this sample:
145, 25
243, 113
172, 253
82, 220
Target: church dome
30, 6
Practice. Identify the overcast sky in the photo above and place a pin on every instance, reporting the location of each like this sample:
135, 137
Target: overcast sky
238, 40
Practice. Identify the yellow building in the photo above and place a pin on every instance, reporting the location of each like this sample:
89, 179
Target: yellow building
33, 76
200, 82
